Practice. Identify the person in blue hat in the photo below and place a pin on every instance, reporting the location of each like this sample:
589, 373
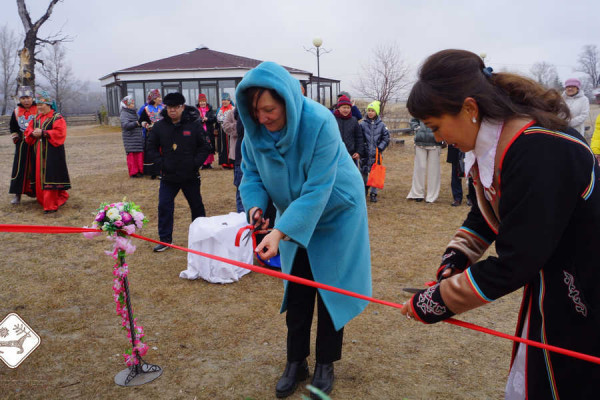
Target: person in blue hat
293, 153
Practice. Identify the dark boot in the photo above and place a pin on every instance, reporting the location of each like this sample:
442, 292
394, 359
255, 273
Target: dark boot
295, 371
322, 379
373, 197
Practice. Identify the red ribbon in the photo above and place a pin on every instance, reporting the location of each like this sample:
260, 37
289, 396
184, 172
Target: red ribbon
302, 281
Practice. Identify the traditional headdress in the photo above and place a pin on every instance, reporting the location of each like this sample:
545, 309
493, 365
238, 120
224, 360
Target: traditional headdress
43, 97
127, 100
24, 91
153, 94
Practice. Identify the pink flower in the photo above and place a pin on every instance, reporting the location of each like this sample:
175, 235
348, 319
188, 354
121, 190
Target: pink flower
121, 271
100, 216
117, 286
119, 224
91, 235
123, 243
141, 348
126, 217
130, 359
114, 254
129, 229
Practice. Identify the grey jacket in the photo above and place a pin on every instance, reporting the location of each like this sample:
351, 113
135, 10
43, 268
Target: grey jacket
376, 136
423, 135
132, 132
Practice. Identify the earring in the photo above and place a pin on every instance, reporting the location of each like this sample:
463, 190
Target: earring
474, 120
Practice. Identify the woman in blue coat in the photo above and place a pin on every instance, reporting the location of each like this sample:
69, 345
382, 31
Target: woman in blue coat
293, 153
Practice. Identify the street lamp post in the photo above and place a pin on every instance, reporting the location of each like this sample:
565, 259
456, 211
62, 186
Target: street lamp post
317, 42
317, 50
483, 56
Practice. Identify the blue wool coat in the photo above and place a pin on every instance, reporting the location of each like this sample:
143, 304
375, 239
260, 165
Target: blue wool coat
316, 188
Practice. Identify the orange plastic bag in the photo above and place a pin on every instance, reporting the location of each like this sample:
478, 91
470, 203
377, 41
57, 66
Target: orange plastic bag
377, 174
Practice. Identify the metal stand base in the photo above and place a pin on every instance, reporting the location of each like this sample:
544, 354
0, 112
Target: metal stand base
138, 374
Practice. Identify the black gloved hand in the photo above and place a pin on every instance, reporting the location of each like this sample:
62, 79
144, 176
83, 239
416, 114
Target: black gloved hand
452, 259
428, 306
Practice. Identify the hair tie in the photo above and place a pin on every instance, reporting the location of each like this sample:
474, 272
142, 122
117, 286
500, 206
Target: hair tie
487, 71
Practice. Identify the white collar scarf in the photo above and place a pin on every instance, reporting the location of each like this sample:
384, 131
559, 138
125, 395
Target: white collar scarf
485, 151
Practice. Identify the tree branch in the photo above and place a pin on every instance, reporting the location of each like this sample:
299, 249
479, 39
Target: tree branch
45, 17
24, 14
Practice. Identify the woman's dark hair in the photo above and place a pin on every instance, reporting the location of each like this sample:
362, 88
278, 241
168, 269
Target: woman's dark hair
448, 77
254, 93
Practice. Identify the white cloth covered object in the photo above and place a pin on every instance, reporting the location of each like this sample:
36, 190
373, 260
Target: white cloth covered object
216, 236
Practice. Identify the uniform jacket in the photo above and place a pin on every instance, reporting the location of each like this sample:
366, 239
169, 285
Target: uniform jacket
376, 136
179, 149
315, 187
579, 105
133, 139
543, 212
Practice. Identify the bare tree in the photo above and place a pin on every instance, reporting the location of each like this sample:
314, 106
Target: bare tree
545, 74
8, 62
59, 76
385, 77
589, 63
28, 53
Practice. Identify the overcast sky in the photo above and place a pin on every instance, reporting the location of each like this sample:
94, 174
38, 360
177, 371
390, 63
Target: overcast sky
109, 35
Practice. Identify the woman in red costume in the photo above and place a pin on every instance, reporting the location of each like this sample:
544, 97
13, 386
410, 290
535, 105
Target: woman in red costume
47, 134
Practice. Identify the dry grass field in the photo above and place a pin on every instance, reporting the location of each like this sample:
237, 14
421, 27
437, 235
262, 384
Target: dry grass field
226, 341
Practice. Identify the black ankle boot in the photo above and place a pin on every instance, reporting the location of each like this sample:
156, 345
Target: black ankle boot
322, 379
373, 197
295, 371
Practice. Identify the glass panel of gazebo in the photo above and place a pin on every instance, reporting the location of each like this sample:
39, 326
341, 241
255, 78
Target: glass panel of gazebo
190, 91
170, 87
328, 97
211, 95
226, 86
136, 90
114, 100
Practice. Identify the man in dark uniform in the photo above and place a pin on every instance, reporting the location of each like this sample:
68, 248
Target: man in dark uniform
178, 145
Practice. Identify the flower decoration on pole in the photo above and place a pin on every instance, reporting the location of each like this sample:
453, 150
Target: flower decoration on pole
119, 220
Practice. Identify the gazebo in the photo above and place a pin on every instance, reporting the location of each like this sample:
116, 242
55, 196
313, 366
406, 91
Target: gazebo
199, 71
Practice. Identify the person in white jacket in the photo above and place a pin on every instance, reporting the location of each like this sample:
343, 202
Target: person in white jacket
579, 105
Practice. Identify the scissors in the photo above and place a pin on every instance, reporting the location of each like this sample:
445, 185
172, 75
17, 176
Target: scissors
257, 224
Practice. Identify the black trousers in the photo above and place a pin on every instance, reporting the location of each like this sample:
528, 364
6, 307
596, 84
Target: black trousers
166, 204
300, 307
456, 182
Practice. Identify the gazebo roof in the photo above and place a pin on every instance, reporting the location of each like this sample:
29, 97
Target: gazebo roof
201, 58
